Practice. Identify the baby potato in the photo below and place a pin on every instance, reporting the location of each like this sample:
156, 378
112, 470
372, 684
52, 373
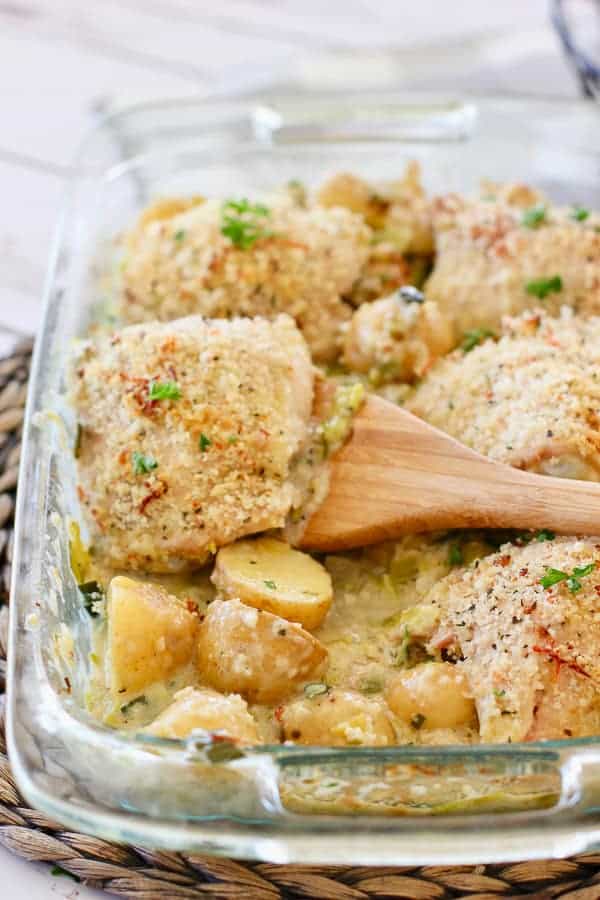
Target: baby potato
431, 695
151, 634
337, 718
247, 651
270, 575
194, 708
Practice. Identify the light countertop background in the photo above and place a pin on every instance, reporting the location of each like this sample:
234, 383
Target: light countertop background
64, 61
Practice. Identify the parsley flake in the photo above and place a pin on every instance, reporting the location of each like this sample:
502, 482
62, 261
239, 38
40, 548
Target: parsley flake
556, 576
315, 689
142, 464
271, 585
544, 535
472, 339
242, 222
164, 390
232, 439
455, 555
541, 287
179, 235
579, 214
499, 694
204, 443
533, 216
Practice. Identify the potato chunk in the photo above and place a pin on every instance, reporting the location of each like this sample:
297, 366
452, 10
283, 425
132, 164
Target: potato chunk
194, 708
431, 695
151, 634
270, 575
337, 718
247, 651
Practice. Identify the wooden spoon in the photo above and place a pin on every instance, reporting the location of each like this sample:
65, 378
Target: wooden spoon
397, 475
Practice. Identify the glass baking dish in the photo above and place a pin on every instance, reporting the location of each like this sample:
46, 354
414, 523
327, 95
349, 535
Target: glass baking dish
403, 805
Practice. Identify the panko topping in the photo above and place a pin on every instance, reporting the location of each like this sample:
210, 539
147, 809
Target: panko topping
496, 257
524, 628
530, 399
188, 433
247, 259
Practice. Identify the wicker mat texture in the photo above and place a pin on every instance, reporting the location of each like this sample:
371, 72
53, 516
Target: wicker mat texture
156, 875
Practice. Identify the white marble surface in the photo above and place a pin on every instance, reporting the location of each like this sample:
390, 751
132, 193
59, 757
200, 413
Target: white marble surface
62, 59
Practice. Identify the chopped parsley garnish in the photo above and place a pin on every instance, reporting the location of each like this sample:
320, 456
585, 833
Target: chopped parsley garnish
92, 593
137, 701
541, 287
271, 585
472, 339
164, 390
142, 464
204, 443
455, 555
579, 213
417, 721
371, 686
545, 535
232, 439
556, 576
179, 235
499, 694
315, 689
242, 222
533, 216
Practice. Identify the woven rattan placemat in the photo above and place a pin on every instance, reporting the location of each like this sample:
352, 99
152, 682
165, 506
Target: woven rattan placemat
157, 875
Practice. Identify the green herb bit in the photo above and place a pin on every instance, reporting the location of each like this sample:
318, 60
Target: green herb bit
240, 222
545, 535
137, 701
271, 585
499, 694
59, 871
223, 751
371, 686
541, 287
417, 721
77, 444
164, 390
579, 213
472, 339
142, 464
204, 443
92, 594
555, 576
232, 439
244, 206
179, 235
534, 216
315, 689
455, 555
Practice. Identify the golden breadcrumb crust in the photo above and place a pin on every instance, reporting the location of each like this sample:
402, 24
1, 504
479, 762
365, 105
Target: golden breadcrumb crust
167, 481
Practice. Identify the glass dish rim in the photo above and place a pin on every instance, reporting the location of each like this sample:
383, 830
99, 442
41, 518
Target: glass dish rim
475, 751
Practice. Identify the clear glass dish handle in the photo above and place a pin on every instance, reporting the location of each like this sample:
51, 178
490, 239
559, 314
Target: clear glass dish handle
369, 118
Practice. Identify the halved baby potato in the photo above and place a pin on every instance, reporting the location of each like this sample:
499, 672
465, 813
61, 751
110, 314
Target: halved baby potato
151, 635
431, 695
270, 575
194, 708
337, 718
251, 652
